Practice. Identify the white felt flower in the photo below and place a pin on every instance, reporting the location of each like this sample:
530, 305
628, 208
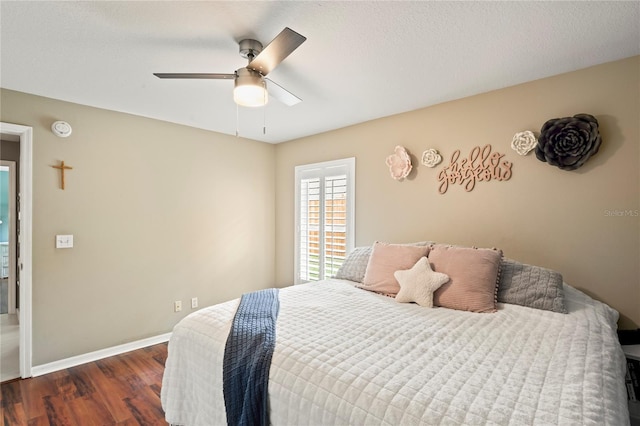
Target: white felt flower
399, 163
523, 142
419, 283
431, 158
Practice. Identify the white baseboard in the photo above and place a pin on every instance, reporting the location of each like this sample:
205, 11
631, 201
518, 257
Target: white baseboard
62, 364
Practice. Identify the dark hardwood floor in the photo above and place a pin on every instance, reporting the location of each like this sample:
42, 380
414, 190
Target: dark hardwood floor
121, 390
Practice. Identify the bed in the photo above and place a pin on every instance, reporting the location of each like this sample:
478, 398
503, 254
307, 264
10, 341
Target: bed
347, 356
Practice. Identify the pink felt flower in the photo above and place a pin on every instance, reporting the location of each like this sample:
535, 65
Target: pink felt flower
399, 163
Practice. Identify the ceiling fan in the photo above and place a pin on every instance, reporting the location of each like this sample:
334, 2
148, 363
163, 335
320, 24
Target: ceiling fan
251, 86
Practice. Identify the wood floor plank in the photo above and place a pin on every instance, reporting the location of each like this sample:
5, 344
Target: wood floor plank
90, 411
58, 411
111, 396
114, 367
14, 415
145, 410
39, 421
120, 390
146, 407
33, 391
146, 368
156, 388
131, 383
81, 380
129, 422
11, 393
66, 388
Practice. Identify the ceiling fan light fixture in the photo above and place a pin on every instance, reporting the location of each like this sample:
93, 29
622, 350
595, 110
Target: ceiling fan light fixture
250, 89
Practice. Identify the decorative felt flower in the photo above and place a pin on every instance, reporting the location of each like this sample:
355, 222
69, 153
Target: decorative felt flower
568, 142
431, 158
399, 163
523, 142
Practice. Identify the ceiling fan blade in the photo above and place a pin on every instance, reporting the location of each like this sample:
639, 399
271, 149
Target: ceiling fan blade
196, 75
275, 52
281, 94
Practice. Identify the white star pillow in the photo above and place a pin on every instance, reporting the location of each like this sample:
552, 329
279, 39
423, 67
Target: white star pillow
419, 283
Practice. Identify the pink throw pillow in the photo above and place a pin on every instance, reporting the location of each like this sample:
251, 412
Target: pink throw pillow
473, 274
384, 261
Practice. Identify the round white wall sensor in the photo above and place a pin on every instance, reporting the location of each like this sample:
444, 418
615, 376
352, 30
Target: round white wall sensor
61, 128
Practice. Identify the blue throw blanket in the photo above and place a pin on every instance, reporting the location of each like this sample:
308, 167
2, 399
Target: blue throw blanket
247, 358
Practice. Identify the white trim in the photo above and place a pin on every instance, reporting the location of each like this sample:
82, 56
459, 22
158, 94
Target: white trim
62, 364
25, 134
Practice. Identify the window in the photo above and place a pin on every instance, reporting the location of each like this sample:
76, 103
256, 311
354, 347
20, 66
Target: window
325, 199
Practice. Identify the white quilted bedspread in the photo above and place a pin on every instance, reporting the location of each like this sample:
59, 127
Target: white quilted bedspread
345, 356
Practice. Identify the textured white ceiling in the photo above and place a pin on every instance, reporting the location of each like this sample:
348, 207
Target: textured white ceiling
361, 60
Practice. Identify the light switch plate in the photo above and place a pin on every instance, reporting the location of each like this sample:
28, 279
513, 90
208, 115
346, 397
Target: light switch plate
64, 241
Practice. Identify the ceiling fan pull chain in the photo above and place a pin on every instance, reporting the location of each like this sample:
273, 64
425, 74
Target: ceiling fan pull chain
237, 120
264, 108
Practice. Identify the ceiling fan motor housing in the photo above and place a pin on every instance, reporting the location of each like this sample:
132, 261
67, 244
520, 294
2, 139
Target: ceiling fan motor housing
250, 48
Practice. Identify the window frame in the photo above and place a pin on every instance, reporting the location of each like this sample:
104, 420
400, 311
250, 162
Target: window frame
322, 170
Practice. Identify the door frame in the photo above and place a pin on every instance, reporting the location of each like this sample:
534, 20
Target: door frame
25, 191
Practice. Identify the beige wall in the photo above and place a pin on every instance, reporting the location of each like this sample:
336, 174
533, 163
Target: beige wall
159, 212
162, 212
542, 215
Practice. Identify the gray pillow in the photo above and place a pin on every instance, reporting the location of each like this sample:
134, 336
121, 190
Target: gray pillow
532, 286
355, 265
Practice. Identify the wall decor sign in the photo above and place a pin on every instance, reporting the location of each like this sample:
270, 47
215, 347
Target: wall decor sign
569, 142
480, 166
399, 163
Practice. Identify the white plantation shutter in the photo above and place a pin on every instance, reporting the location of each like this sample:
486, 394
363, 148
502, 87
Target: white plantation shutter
309, 229
324, 218
335, 223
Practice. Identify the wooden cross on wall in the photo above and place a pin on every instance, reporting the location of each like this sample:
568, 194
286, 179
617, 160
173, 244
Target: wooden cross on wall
62, 168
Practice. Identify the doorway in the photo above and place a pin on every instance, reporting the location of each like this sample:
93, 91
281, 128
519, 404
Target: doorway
8, 214
18, 266
9, 325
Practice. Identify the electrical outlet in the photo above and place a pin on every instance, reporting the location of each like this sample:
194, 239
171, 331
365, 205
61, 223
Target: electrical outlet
194, 302
177, 306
